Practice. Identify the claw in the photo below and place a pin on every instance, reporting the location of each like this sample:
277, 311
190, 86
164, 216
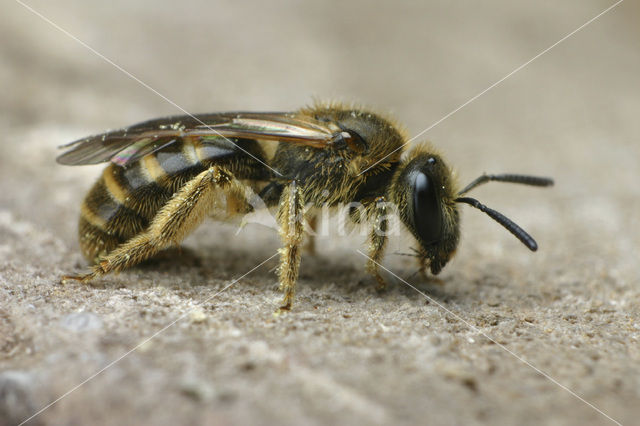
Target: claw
287, 302
65, 278
382, 284
84, 278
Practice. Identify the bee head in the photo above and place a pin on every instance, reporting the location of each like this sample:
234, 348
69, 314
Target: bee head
426, 198
424, 194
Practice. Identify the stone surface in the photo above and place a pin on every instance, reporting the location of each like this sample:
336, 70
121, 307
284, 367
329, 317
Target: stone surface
506, 337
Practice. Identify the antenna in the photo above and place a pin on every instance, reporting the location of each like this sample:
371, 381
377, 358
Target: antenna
511, 178
510, 225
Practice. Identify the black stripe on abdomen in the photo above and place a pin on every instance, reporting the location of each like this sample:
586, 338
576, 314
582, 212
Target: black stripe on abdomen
104, 211
133, 188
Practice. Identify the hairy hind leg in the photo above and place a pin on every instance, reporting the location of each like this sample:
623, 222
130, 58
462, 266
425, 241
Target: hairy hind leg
173, 222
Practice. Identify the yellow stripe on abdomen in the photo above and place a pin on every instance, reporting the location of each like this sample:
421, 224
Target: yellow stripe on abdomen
115, 189
152, 168
91, 217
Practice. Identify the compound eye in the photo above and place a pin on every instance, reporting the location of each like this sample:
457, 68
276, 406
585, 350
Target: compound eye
427, 215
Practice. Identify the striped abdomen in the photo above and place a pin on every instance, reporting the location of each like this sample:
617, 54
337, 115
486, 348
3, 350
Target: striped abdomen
124, 201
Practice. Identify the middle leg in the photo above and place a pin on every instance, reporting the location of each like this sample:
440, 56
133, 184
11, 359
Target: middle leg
291, 221
378, 212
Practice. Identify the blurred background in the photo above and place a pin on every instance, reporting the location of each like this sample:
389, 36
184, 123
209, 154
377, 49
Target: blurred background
571, 114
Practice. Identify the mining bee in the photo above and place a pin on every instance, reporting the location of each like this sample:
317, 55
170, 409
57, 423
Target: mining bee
165, 175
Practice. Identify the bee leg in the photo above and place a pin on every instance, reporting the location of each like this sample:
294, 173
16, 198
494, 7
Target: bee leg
175, 220
378, 239
310, 245
291, 221
423, 262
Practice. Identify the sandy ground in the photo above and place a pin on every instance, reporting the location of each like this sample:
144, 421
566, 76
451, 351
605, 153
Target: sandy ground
508, 337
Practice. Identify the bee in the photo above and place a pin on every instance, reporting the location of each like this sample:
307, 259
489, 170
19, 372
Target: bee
166, 175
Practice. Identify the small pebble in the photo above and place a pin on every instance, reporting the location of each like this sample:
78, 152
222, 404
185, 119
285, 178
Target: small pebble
197, 316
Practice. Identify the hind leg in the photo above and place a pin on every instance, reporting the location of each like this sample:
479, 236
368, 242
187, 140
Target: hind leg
173, 222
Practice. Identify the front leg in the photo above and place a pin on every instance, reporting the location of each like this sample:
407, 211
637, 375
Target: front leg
423, 262
378, 212
310, 245
291, 222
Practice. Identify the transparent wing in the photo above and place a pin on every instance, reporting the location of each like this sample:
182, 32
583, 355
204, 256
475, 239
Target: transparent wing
129, 144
